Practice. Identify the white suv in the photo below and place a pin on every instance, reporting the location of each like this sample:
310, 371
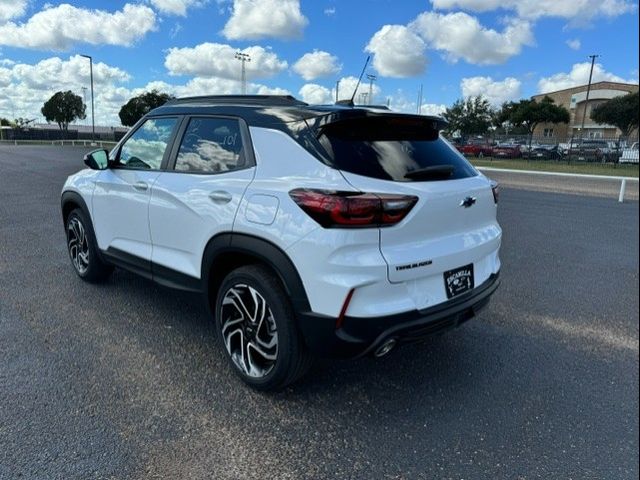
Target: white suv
310, 230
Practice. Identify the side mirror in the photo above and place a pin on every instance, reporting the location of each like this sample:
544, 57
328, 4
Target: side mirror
97, 160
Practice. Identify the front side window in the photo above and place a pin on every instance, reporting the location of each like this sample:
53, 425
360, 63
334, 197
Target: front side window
211, 145
145, 149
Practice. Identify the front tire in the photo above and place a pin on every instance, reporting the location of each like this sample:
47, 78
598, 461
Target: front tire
257, 329
83, 249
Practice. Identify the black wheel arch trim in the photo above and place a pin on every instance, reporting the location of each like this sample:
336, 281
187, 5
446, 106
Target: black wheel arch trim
74, 198
272, 255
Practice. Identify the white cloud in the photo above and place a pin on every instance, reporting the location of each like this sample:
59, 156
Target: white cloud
55, 73
460, 35
399, 102
432, 109
579, 75
254, 19
348, 85
316, 94
25, 87
329, 12
497, 92
580, 10
574, 44
397, 52
176, 7
59, 27
218, 60
316, 64
12, 9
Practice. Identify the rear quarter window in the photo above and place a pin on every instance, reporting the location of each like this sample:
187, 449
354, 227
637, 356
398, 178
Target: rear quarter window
389, 150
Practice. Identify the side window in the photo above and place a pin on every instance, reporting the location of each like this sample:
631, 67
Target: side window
211, 145
145, 148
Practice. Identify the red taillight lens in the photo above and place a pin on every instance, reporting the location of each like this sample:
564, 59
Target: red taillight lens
333, 209
495, 188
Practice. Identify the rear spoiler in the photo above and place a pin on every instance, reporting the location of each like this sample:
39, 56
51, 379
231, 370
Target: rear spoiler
379, 124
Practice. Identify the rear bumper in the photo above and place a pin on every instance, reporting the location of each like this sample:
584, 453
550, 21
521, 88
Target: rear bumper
360, 336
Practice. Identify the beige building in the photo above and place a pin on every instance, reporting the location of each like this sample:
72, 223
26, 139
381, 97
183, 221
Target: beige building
574, 100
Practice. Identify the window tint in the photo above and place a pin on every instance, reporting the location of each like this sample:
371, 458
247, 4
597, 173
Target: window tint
146, 147
391, 148
211, 145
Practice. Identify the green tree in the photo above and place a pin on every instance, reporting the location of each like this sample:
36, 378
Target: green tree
64, 108
139, 106
529, 113
619, 111
469, 116
501, 120
5, 122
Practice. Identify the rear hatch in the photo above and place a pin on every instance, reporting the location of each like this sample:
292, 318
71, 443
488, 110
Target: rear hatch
452, 224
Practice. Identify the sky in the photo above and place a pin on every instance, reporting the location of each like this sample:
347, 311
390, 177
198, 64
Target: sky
502, 49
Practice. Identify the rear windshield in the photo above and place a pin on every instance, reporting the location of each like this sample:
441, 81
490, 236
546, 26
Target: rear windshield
391, 148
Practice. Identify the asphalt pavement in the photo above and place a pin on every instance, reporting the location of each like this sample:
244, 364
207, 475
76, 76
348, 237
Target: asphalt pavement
125, 380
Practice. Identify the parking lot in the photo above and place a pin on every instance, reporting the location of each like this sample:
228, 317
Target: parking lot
125, 380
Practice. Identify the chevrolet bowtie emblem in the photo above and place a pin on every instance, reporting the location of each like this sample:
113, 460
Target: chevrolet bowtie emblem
468, 202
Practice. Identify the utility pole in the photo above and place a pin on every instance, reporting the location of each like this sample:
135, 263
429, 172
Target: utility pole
586, 101
363, 98
372, 78
419, 106
243, 57
337, 89
93, 112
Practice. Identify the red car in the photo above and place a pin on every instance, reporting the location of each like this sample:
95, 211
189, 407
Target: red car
476, 148
507, 150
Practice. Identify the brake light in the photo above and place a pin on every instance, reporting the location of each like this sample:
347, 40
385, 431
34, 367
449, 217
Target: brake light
333, 209
495, 188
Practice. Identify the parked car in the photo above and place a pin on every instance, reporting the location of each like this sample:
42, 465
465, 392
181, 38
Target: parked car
309, 230
544, 152
589, 149
477, 148
630, 155
507, 150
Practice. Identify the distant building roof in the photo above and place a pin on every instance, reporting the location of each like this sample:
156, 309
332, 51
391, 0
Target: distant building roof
593, 86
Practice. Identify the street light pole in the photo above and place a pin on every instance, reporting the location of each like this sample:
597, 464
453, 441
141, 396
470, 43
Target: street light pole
243, 57
372, 78
586, 100
93, 113
337, 89
84, 96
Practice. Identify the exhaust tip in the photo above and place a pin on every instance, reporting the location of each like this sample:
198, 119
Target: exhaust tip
385, 348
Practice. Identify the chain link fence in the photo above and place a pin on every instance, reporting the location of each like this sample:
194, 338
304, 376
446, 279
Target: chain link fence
600, 150
35, 135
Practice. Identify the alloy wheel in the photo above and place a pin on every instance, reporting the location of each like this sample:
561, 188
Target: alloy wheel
249, 330
78, 244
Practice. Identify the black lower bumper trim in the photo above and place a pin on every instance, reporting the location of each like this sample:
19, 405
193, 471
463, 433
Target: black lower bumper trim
360, 336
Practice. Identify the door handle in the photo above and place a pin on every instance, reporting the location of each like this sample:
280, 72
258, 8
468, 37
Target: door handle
220, 197
142, 186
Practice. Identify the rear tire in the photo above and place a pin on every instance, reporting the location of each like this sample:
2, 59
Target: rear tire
83, 249
257, 329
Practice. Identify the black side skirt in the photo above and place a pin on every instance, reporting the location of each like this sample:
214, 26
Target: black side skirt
147, 269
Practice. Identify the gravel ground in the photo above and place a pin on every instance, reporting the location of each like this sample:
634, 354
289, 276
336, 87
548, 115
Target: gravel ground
124, 380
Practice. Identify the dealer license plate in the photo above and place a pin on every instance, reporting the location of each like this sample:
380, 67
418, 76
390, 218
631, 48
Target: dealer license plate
459, 280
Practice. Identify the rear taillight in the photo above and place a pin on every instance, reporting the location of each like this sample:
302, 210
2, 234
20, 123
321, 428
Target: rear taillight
495, 188
333, 209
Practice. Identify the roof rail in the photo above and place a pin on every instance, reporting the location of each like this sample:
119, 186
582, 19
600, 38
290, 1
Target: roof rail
277, 100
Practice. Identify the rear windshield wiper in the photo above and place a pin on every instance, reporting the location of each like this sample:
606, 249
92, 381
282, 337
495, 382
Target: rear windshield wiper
435, 171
